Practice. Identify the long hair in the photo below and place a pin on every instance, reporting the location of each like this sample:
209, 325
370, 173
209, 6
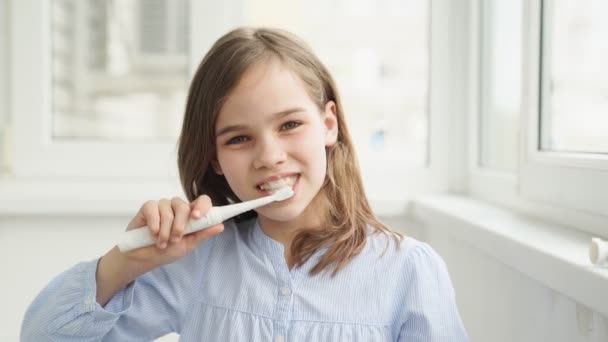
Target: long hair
348, 215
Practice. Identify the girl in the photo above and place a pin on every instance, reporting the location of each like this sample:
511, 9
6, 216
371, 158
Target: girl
262, 113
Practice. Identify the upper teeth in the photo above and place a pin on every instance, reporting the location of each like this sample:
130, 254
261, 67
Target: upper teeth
276, 184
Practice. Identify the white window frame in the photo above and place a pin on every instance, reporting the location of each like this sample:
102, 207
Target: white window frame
572, 180
95, 173
35, 155
484, 182
567, 188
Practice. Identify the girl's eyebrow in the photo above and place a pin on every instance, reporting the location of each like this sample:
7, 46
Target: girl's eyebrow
275, 116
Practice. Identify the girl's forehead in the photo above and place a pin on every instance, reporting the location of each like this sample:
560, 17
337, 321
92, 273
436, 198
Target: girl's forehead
265, 88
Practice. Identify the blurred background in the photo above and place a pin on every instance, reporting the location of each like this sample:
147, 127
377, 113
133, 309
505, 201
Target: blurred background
481, 127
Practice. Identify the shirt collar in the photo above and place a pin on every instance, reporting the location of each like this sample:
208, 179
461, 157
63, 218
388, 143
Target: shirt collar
275, 251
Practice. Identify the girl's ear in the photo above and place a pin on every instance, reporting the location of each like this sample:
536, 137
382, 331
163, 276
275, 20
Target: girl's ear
330, 120
216, 167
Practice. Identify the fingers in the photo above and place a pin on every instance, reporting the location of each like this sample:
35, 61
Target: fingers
166, 222
181, 211
200, 206
151, 217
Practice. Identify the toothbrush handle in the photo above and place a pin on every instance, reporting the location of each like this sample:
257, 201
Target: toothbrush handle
140, 237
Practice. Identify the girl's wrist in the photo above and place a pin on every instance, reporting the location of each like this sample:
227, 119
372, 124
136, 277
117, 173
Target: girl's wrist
126, 267
115, 270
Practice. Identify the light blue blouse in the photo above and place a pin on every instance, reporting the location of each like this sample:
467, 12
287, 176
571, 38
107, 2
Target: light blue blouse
236, 286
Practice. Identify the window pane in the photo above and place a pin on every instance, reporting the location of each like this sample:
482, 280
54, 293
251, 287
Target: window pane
500, 83
575, 111
378, 52
119, 68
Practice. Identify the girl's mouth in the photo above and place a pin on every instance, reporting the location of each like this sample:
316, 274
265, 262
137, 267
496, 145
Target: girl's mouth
276, 184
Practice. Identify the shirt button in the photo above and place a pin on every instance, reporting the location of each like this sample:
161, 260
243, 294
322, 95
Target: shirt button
88, 301
285, 291
279, 338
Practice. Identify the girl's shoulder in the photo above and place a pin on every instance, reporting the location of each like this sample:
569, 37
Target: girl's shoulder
406, 254
403, 268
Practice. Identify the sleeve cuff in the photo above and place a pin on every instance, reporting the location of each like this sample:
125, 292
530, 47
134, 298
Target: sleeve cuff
117, 305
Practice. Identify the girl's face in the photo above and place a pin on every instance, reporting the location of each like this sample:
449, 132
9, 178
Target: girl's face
269, 134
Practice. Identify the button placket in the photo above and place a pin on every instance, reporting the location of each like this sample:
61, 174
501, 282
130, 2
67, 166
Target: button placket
283, 308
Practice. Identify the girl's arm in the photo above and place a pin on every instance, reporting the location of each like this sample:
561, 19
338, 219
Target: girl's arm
430, 312
148, 307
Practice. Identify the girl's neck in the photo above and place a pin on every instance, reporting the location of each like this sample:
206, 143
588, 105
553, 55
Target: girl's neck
285, 231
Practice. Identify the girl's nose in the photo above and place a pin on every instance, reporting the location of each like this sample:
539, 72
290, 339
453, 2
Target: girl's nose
269, 154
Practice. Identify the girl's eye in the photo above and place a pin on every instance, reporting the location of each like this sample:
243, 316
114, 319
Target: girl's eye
290, 125
237, 140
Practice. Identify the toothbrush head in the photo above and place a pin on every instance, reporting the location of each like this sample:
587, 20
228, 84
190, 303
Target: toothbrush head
283, 194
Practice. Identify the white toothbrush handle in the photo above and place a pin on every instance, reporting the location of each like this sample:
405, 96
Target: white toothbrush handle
140, 237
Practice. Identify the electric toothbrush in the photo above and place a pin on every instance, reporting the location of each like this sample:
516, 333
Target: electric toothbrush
140, 237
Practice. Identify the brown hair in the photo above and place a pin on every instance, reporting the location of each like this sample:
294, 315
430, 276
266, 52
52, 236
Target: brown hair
348, 213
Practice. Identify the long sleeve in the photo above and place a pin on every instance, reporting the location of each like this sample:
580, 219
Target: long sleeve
149, 307
430, 310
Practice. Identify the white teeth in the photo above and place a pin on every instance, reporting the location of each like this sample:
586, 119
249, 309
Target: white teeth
277, 184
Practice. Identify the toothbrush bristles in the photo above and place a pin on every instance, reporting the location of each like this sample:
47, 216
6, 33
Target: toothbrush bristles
283, 193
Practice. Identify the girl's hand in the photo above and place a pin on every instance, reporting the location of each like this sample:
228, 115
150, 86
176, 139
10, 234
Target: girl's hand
167, 220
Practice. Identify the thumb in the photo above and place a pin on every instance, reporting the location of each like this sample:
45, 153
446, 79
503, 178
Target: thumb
137, 221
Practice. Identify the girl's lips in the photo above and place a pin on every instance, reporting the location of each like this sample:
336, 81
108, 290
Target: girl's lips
278, 178
278, 181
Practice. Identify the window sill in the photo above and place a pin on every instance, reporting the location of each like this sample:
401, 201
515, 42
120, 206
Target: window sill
554, 255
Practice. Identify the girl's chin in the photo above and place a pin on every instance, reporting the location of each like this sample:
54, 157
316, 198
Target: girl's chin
279, 214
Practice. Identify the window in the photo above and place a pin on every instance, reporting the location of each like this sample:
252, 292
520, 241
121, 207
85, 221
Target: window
99, 88
120, 69
561, 170
500, 87
575, 105
574, 180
